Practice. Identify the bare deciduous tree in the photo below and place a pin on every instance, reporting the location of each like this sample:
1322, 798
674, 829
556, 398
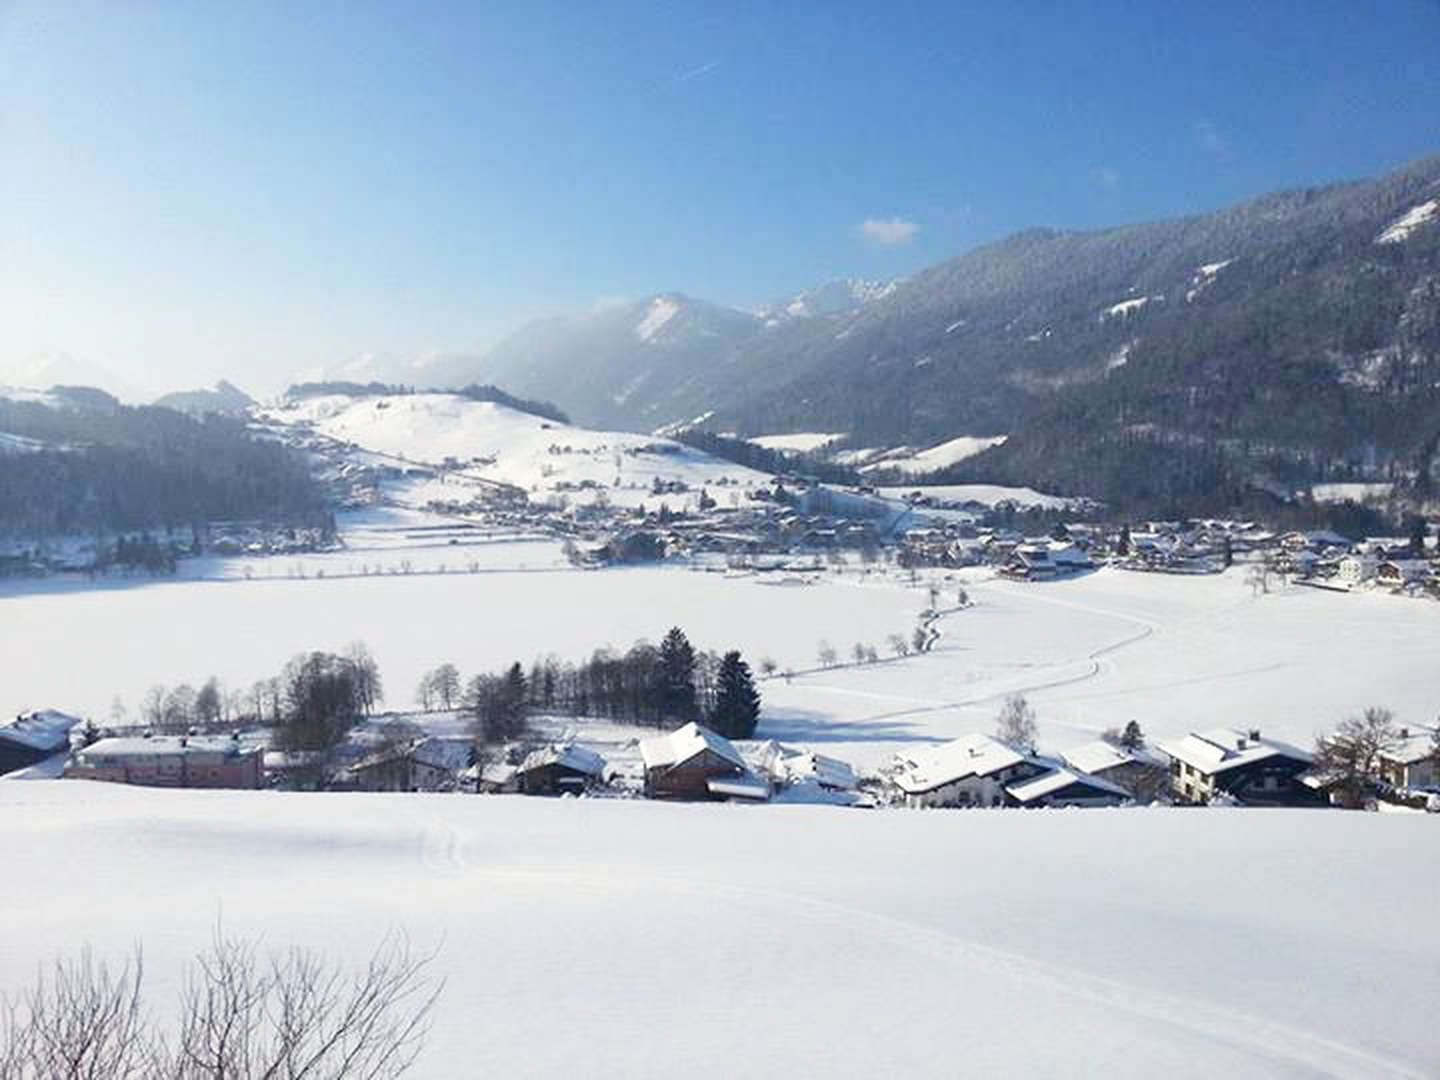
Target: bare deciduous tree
1350, 759
826, 654
290, 1015
1015, 723
899, 644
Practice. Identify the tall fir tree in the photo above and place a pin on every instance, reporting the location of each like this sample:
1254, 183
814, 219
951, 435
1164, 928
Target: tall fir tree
677, 677
737, 702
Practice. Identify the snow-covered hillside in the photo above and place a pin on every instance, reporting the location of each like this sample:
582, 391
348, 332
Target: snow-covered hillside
617, 938
494, 442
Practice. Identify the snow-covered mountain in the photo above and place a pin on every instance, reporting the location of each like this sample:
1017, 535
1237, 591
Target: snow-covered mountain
833, 298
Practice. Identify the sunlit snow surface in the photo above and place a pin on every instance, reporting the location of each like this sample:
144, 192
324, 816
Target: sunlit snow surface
613, 938
1174, 653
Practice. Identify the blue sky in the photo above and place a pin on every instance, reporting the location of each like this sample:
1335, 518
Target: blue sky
191, 190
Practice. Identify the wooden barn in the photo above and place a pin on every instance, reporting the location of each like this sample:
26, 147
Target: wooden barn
696, 763
556, 770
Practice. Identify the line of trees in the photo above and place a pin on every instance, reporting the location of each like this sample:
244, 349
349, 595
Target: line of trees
310, 704
660, 686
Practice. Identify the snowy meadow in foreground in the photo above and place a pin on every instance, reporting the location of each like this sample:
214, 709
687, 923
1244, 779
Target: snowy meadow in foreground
595, 937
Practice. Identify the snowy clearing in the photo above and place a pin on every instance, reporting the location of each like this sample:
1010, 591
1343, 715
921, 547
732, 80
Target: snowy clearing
1401, 228
788, 941
801, 442
937, 457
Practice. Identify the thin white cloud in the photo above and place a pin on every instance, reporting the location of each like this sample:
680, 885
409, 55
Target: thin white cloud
1210, 139
888, 232
695, 73
1106, 177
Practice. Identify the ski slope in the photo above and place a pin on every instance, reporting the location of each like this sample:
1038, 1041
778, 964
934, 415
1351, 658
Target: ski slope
616, 938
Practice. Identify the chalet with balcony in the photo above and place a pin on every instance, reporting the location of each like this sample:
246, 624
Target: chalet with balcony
1241, 765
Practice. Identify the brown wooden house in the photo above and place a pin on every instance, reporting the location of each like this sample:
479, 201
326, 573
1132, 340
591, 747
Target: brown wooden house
696, 763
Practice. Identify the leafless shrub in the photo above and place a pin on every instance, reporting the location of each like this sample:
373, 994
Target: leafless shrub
294, 1015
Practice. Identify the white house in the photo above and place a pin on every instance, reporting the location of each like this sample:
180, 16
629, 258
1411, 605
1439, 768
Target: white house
1413, 763
973, 770
1355, 570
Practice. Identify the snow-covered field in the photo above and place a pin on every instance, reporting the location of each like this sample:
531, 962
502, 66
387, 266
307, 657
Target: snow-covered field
624, 938
1172, 652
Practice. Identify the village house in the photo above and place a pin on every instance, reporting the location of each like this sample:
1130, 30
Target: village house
1352, 571
429, 764
804, 776
1030, 563
1414, 763
694, 762
1400, 573
1140, 771
1065, 787
170, 761
973, 770
32, 737
1242, 765
558, 770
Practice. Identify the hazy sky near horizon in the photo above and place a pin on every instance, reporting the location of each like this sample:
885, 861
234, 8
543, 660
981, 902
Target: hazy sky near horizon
256, 190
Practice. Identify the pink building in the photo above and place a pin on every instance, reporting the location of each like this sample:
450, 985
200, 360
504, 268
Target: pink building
170, 761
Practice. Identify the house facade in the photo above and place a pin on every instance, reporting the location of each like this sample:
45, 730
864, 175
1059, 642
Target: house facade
1241, 765
693, 763
974, 770
1414, 763
170, 761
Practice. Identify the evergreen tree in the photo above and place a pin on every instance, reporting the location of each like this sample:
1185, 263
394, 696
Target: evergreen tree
737, 702
677, 677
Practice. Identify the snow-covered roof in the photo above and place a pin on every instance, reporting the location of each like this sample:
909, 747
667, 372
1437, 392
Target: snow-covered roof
1097, 756
566, 755
163, 746
440, 752
789, 764
1221, 749
1414, 747
1059, 779
738, 787
680, 745
969, 755
44, 729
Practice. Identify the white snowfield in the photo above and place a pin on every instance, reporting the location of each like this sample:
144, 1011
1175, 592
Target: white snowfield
619, 938
800, 442
1177, 654
527, 451
989, 494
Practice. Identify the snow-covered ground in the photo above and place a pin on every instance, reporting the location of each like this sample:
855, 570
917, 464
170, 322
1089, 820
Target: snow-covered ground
618, 938
799, 442
493, 442
989, 494
1327, 493
1175, 653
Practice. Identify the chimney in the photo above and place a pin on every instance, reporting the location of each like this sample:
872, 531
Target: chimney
1404, 733
1254, 734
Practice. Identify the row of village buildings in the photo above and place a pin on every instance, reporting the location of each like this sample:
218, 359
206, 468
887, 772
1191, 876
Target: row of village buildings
1224, 765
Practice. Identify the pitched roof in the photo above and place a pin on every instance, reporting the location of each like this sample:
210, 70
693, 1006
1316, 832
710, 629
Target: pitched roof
664, 751
1058, 780
1221, 749
1097, 756
566, 755
44, 729
969, 755
1414, 748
